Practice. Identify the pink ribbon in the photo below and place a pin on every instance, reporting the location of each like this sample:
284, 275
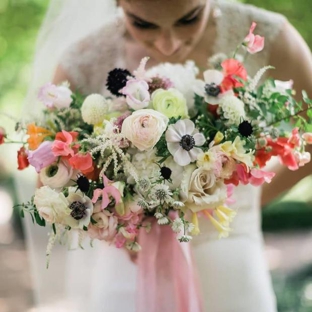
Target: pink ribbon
167, 280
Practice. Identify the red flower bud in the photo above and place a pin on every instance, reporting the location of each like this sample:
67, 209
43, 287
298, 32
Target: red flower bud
22, 159
2, 135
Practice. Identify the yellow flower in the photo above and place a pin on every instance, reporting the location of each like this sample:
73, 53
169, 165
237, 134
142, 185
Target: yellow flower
218, 137
222, 229
196, 230
206, 160
237, 151
171, 103
230, 213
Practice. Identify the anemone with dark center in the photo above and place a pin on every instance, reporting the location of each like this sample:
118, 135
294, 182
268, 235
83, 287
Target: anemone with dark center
212, 89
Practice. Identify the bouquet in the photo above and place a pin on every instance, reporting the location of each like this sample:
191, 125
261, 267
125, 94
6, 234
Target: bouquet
165, 147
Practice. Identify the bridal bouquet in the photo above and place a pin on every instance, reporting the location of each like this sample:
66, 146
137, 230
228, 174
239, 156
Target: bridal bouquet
163, 147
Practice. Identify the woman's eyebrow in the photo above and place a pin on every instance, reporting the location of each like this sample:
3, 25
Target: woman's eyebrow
191, 13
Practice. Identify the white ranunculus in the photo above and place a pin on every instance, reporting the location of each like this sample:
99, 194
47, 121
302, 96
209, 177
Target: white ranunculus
56, 175
233, 109
51, 205
144, 128
201, 190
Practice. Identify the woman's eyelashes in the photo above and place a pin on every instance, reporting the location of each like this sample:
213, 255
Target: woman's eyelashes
183, 22
188, 21
143, 25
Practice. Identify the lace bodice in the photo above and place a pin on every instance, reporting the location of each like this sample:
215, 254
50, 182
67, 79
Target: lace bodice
89, 61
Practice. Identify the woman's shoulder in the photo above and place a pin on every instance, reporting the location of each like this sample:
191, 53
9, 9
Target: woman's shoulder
88, 60
239, 16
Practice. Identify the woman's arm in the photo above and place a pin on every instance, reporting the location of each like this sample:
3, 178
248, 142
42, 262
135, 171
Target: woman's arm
61, 75
292, 59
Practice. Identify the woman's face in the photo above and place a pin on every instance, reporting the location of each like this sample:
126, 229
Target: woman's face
168, 29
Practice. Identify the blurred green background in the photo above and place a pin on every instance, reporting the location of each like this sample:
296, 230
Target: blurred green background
19, 24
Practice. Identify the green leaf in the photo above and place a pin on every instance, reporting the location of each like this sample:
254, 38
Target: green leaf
93, 221
40, 221
85, 228
54, 228
309, 112
22, 214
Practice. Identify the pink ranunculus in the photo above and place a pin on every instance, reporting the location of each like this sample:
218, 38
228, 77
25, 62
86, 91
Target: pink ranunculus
253, 43
42, 156
62, 145
307, 137
55, 96
120, 240
105, 227
258, 177
137, 95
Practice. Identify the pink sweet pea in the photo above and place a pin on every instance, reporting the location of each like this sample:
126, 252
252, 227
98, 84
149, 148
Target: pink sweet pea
55, 96
295, 139
253, 43
64, 143
82, 162
106, 192
307, 137
42, 156
137, 95
302, 158
230, 190
242, 173
258, 177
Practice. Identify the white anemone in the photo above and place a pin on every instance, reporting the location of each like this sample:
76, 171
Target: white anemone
210, 87
182, 139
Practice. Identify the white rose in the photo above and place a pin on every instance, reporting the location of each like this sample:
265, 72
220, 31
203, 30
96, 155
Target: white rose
201, 189
56, 175
144, 128
51, 205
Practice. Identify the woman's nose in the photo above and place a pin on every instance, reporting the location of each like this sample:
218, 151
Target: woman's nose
167, 43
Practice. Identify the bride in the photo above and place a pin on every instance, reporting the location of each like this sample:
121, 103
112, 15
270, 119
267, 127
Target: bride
233, 273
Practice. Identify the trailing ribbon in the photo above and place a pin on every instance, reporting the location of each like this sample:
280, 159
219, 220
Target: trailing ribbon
167, 280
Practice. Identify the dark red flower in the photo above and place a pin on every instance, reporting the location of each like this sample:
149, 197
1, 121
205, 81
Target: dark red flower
2, 135
22, 159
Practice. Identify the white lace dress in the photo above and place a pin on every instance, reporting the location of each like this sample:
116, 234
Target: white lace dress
233, 272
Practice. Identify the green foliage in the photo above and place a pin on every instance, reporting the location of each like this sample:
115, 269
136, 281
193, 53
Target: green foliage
19, 24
